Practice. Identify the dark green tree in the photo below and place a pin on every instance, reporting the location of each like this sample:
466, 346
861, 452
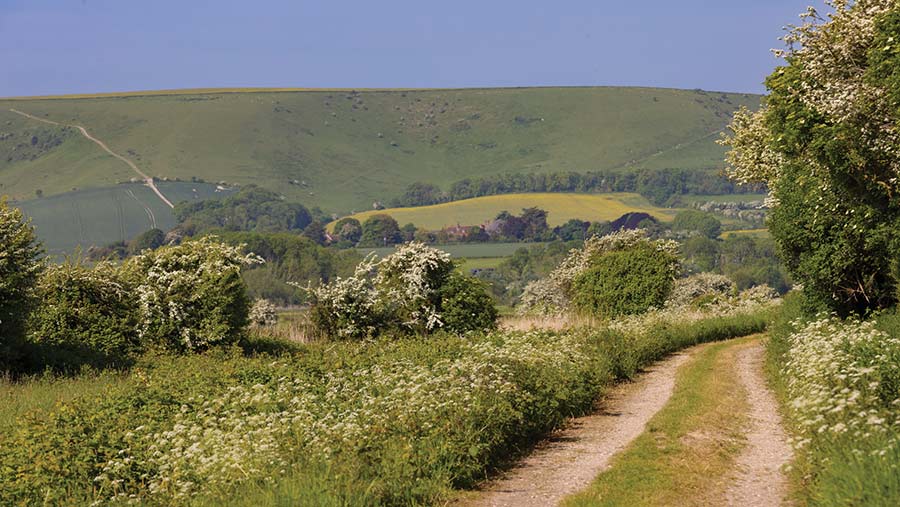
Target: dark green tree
152, 239
348, 229
380, 230
697, 221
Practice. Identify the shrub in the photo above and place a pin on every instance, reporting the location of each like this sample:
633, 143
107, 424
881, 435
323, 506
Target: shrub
466, 305
686, 291
87, 316
409, 281
263, 314
403, 292
19, 271
626, 282
348, 307
191, 295
826, 144
553, 293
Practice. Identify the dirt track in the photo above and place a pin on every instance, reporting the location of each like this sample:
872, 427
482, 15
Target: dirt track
571, 459
147, 179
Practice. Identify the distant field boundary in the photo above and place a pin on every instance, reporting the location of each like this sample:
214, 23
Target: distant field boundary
225, 91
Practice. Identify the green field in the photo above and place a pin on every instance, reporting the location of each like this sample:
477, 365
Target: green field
342, 150
561, 208
104, 215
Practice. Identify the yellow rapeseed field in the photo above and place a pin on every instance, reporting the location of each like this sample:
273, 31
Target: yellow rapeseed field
561, 208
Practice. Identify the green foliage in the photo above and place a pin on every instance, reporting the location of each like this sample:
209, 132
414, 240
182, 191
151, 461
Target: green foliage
826, 144
465, 305
86, 316
251, 209
19, 271
288, 259
380, 230
150, 240
349, 230
697, 221
191, 295
407, 292
625, 282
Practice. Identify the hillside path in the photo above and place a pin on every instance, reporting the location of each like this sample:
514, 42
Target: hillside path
147, 179
760, 480
570, 459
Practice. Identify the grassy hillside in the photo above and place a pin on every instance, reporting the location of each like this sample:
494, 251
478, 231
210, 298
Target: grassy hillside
561, 208
342, 150
105, 215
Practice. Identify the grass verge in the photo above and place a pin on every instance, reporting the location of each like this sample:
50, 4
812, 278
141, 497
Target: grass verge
689, 447
839, 386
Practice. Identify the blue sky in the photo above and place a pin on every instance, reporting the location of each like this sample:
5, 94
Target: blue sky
83, 46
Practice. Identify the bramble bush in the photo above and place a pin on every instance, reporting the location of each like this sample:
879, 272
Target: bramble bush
19, 270
191, 295
86, 316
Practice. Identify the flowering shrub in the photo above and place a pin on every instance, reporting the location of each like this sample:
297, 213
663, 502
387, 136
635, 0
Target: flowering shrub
553, 294
690, 290
405, 291
263, 314
19, 271
409, 280
827, 144
625, 282
87, 315
191, 295
349, 307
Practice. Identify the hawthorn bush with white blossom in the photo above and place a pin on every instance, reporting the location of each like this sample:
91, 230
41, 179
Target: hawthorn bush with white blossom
263, 313
827, 145
404, 292
191, 296
553, 294
20, 268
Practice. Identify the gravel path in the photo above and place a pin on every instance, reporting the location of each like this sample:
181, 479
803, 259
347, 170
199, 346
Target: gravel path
760, 479
572, 458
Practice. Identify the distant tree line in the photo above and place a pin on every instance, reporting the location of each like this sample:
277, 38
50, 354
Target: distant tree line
661, 187
250, 209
